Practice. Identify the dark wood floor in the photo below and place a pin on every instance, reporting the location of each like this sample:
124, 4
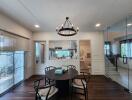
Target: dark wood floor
100, 88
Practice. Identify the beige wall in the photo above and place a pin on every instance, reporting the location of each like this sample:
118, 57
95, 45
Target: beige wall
97, 50
11, 26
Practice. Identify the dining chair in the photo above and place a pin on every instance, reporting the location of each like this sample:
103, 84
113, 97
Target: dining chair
46, 92
70, 81
48, 81
71, 66
80, 84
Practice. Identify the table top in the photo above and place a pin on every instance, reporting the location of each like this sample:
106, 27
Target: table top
67, 75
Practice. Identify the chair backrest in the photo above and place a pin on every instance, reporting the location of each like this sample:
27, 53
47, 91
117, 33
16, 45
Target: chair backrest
85, 79
86, 76
71, 66
47, 81
36, 88
49, 68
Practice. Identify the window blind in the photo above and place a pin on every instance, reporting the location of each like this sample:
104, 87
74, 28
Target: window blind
11, 42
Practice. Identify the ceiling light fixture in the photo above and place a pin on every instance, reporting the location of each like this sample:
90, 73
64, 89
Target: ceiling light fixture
30, 12
98, 25
67, 29
37, 26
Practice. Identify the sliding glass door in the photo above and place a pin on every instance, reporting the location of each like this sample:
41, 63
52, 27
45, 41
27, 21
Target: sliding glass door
6, 63
18, 66
11, 69
11, 63
6, 71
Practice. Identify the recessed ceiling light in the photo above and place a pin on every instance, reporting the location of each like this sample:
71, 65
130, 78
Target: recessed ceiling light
37, 26
129, 24
98, 25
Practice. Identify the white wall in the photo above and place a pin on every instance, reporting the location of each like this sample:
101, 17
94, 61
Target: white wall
97, 50
11, 26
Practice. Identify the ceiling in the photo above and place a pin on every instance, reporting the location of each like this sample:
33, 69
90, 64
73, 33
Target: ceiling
51, 13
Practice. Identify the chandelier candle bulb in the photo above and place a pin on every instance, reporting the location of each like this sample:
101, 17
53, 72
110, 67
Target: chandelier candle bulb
77, 28
98, 25
56, 28
37, 26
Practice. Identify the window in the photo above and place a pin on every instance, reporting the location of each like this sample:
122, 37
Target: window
107, 48
39, 52
126, 48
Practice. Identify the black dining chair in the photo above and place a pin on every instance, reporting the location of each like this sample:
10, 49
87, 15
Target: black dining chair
70, 81
71, 66
46, 92
48, 81
80, 84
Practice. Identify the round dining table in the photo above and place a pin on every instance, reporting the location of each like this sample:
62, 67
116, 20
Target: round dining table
62, 80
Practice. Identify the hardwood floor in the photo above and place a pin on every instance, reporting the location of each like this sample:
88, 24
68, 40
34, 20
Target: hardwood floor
100, 88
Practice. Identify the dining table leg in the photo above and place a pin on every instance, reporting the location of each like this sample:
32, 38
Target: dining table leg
63, 87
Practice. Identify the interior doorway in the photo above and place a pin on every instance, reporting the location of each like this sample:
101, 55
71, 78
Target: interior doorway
85, 55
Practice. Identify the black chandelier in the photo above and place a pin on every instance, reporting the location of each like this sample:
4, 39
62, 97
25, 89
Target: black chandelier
67, 29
